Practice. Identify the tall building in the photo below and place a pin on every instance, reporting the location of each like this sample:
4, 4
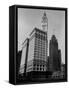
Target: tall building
37, 55
38, 44
54, 55
24, 57
34, 52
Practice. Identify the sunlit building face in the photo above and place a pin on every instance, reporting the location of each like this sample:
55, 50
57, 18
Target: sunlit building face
37, 55
37, 50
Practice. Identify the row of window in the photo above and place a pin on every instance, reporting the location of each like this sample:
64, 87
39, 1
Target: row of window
58, 76
39, 69
39, 65
36, 69
40, 50
44, 59
39, 58
40, 41
39, 54
42, 38
42, 53
41, 45
40, 33
39, 62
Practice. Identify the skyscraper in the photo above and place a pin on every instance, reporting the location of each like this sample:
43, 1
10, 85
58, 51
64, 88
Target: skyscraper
38, 44
54, 55
34, 52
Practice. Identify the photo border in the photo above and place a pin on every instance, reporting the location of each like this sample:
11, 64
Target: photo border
16, 39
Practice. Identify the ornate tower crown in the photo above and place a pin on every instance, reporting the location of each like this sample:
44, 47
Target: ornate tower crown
44, 22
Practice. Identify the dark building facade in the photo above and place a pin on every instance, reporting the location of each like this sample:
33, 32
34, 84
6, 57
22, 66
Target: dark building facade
18, 63
59, 74
54, 63
63, 70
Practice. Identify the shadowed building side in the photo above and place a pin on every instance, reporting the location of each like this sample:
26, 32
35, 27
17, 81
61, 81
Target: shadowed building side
54, 55
59, 59
18, 63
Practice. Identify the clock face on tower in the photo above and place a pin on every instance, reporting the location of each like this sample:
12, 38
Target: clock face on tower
44, 22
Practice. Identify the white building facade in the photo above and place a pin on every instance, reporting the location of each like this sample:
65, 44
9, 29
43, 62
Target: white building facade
38, 45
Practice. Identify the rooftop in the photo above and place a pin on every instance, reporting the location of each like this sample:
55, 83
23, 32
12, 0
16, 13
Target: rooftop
39, 30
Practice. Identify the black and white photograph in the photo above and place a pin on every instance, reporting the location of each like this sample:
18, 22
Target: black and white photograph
41, 45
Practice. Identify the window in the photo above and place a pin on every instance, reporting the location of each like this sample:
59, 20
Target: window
33, 68
40, 68
37, 68
43, 69
43, 65
37, 65
34, 65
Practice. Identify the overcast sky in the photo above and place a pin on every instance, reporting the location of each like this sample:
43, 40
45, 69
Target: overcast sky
28, 19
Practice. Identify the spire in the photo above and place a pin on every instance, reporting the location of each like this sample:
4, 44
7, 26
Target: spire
44, 22
44, 14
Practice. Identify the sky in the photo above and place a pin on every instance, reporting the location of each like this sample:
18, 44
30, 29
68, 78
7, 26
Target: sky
28, 19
